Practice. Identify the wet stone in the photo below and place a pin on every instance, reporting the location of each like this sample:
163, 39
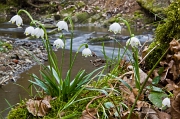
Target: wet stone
18, 60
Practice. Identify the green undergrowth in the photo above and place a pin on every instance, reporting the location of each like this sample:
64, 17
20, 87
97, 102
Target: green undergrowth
74, 111
4, 46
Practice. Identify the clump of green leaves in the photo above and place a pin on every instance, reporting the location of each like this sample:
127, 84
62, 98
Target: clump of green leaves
4, 46
165, 32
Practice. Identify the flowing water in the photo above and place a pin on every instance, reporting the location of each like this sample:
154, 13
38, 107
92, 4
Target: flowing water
14, 93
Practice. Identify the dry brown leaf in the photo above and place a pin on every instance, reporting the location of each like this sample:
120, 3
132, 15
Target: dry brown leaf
143, 76
38, 107
131, 76
124, 89
139, 103
163, 63
155, 73
174, 46
86, 115
135, 92
145, 51
168, 57
175, 110
133, 116
171, 86
163, 115
148, 113
177, 56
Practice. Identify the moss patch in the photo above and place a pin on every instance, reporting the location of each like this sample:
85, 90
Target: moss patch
154, 6
81, 17
74, 111
165, 32
100, 39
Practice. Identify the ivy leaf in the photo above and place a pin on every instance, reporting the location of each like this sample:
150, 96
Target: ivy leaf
156, 80
156, 98
155, 89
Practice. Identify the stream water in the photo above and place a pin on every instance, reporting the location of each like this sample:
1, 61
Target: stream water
13, 93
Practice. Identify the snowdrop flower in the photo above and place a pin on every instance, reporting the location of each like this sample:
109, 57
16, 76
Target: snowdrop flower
86, 52
39, 32
58, 43
29, 31
62, 25
115, 27
166, 102
133, 41
16, 19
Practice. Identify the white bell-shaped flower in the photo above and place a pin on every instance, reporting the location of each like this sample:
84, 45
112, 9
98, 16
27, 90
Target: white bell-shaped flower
166, 102
29, 31
62, 25
115, 27
86, 52
16, 19
58, 43
133, 41
39, 32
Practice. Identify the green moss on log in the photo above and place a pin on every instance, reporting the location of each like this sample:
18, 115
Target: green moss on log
165, 32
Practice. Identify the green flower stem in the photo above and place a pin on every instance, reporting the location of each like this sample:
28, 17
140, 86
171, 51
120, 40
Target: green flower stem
76, 54
63, 52
142, 87
71, 42
136, 68
128, 26
27, 13
51, 55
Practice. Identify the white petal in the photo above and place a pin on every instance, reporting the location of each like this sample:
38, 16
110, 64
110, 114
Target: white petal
42, 33
58, 43
62, 25
16, 19
29, 30
38, 32
13, 19
19, 21
166, 102
133, 41
115, 27
86, 52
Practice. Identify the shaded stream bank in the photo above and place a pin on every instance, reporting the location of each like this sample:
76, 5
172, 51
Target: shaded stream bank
13, 93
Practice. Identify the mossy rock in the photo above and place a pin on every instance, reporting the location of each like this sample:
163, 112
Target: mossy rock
164, 33
94, 18
80, 17
154, 6
100, 39
80, 4
111, 20
66, 12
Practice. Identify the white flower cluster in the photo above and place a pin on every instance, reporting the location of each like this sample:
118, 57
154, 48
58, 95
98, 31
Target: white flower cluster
39, 33
116, 28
